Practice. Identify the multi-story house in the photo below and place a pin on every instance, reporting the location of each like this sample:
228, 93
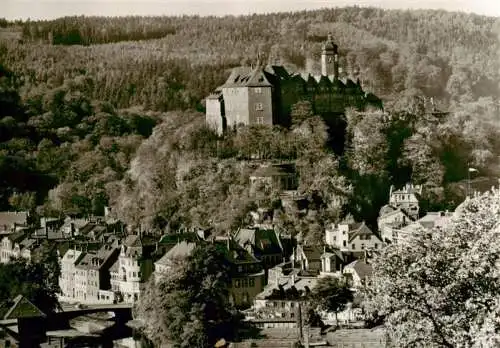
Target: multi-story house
402, 210
354, 237
68, 272
265, 95
247, 272
132, 269
263, 242
85, 276
279, 304
406, 199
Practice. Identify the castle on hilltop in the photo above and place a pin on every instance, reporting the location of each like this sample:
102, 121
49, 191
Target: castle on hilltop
265, 94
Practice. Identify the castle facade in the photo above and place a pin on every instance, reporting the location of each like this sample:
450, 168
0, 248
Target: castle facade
265, 94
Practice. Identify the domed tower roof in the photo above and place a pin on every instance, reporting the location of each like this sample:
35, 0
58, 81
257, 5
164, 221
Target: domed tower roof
329, 45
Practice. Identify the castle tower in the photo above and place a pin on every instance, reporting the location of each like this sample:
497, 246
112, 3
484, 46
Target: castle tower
329, 58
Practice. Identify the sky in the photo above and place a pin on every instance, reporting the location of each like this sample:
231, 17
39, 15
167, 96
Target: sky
49, 9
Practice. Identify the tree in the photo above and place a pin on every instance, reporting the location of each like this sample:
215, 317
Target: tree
189, 307
442, 287
30, 280
23, 201
331, 294
301, 111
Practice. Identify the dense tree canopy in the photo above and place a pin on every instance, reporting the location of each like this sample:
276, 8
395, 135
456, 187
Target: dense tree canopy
189, 306
441, 287
37, 281
73, 114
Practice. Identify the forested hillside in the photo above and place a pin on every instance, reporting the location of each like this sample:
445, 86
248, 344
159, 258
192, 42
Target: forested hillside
80, 95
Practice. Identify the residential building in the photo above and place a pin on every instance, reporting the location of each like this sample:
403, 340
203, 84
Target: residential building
308, 257
132, 269
247, 271
332, 261
263, 242
85, 276
406, 199
279, 304
68, 272
358, 273
274, 177
13, 221
391, 220
175, 255
352, 237
16, 245
265, 95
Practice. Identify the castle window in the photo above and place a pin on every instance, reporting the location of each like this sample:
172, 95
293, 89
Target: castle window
259, 106
258, 90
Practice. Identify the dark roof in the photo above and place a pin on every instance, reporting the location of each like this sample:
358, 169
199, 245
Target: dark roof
235, 254
174, 238
23, 308
312, 252
16, 237
261, 240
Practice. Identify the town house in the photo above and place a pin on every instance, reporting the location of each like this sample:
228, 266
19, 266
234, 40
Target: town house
353, 237
132, 269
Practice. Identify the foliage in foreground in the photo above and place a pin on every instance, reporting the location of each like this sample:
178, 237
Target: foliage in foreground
189, 306
37, 281
442, 288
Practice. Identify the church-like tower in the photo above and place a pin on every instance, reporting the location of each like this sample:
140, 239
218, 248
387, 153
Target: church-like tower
330, 58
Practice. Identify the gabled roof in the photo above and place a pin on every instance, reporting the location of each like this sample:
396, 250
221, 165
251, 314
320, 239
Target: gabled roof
180, 251
361, 268
259, 78
262, 240
235, 254
358, 229
311, 252
23, 308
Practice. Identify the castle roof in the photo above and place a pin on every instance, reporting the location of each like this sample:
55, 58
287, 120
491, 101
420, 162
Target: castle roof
249, 77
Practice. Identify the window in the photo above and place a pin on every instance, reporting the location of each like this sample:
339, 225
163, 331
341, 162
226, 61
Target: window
353, 246
376, 245
260, 120
259, 106
251, 283
363, 246
292, 304
292, 315
345, 243
237, 283
258, 90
